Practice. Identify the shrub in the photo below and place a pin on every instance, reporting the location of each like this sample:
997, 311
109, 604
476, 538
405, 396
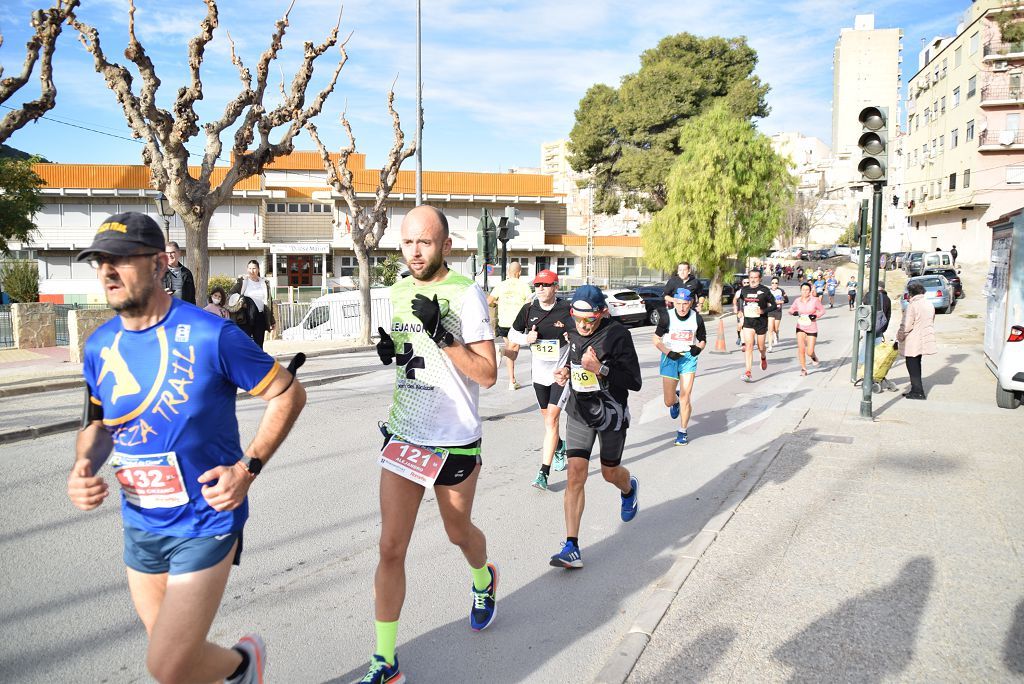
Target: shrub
20, 280
227, 282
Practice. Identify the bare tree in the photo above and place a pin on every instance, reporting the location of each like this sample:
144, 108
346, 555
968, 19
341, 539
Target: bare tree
807, 211
165, 133
368, 223
48, 25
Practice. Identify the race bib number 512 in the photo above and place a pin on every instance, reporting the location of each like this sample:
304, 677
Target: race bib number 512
415, 463
151, 481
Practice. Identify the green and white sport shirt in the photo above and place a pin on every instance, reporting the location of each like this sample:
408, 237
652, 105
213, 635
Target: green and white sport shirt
433, 403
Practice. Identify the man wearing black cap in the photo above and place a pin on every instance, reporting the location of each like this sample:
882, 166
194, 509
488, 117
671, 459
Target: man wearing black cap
162, 378
601, 370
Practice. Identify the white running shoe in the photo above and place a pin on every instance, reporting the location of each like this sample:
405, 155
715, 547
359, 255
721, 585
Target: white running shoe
256, 649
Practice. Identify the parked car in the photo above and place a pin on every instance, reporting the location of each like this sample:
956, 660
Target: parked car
727, 290
938, 260
897, 260
842, 250
626, 306
937, 290
654, 300
913, 263
336, 316
952, 276
1010, 372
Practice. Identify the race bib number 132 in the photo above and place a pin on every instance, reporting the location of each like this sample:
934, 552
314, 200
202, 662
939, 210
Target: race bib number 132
151, 481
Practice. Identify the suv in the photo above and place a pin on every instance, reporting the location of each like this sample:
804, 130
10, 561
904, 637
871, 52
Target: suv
951, 276
626, 306
913, 263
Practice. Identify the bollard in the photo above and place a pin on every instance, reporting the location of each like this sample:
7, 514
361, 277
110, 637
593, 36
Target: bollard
720, 342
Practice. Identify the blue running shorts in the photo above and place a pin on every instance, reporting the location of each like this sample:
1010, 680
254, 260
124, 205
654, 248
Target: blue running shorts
681, 366
155, 554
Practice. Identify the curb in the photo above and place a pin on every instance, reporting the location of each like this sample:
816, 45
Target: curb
21, 434
17, 390
620, 664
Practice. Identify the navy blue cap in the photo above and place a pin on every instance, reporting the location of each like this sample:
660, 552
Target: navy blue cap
125, 234
588, 298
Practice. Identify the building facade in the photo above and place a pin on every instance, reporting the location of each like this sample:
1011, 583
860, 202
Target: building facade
964, 144
292, 222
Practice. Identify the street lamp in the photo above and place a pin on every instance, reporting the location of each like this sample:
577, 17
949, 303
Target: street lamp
164, 207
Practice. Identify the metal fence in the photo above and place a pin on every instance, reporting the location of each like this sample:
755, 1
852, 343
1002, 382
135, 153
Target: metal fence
6, 329
61, 322
289, 314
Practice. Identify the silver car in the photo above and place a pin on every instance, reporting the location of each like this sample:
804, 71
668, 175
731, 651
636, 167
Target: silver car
937, 290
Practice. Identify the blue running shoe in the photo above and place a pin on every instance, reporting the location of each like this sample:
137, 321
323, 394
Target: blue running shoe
673, 411
558, 463
569, 557
631, 504
481, 615
381, 672
681, 438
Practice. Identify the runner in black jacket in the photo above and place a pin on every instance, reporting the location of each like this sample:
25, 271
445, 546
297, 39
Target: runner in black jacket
602, 368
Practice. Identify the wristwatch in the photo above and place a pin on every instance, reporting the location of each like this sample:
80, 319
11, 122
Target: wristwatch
253, 464
446, 341
604, 370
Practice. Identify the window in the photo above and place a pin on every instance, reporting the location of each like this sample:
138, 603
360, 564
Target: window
347, 266
304, 208
975, 42
524, 263
945, 63
967, 178
927, 113
954, 138
917, 124
565, 265
969, 136
321, 208
942, 143
972, 85
952, 181
293, 208
1015, 175
942, 105
963, 224
958, 56
935, 74
938, 188
956, 97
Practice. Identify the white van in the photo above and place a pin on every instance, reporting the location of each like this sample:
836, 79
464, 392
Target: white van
937, 260
336, 316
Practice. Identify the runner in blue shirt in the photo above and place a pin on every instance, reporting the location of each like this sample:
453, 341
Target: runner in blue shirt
161, 380
830, 286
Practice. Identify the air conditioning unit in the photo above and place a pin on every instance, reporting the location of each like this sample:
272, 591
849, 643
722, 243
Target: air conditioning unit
1000, 66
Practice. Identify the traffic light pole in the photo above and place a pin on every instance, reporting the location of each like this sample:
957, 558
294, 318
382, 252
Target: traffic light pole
869, 337
504, 259
862, 225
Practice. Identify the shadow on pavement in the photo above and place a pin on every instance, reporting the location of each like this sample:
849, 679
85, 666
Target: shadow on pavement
561, 605
872, 634
1013, 649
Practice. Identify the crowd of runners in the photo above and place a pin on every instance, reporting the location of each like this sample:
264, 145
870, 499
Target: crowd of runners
161, 381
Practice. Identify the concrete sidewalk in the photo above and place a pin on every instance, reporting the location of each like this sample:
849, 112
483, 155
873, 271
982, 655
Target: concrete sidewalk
867, 550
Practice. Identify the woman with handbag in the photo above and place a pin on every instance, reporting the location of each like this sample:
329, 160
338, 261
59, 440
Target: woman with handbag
257, 289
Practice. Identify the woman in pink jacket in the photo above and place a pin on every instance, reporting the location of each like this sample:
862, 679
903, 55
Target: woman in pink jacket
807, 309
916, 336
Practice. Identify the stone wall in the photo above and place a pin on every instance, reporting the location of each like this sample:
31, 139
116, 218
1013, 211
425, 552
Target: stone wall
81, 324
34, 325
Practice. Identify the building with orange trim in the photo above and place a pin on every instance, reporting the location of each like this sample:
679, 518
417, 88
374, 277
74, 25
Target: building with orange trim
291, 220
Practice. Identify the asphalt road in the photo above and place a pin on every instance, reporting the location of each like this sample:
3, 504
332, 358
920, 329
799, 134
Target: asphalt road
305, 581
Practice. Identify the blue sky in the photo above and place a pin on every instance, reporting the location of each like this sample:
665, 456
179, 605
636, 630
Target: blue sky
499, 77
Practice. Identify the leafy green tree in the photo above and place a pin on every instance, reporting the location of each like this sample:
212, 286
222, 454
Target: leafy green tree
628, 138
728, 193
20, 200
386, 272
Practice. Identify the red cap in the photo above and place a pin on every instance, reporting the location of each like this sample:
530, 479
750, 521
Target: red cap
545, 277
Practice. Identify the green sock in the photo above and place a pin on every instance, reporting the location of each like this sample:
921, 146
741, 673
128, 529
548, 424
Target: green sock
481, 577
387, 635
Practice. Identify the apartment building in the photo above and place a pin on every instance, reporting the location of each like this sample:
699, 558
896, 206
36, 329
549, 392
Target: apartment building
824, 215
290, 220
964, 146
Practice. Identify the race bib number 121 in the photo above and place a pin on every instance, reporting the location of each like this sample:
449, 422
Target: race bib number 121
417, 464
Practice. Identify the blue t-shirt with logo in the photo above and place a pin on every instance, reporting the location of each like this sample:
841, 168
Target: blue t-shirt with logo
168, 398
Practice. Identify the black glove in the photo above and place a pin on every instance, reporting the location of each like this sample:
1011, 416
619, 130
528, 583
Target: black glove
675, 356
813, 317
385, 347
695, 350
429, 313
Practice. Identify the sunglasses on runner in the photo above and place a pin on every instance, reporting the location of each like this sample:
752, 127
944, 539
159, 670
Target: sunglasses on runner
586, 320
539, 286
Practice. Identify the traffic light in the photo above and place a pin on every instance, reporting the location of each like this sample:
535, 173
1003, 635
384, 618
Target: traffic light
864, 317
510, 223
486, 238
873, 144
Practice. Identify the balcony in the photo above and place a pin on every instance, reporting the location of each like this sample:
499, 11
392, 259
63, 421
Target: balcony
999, 141
999, 94
995, 49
